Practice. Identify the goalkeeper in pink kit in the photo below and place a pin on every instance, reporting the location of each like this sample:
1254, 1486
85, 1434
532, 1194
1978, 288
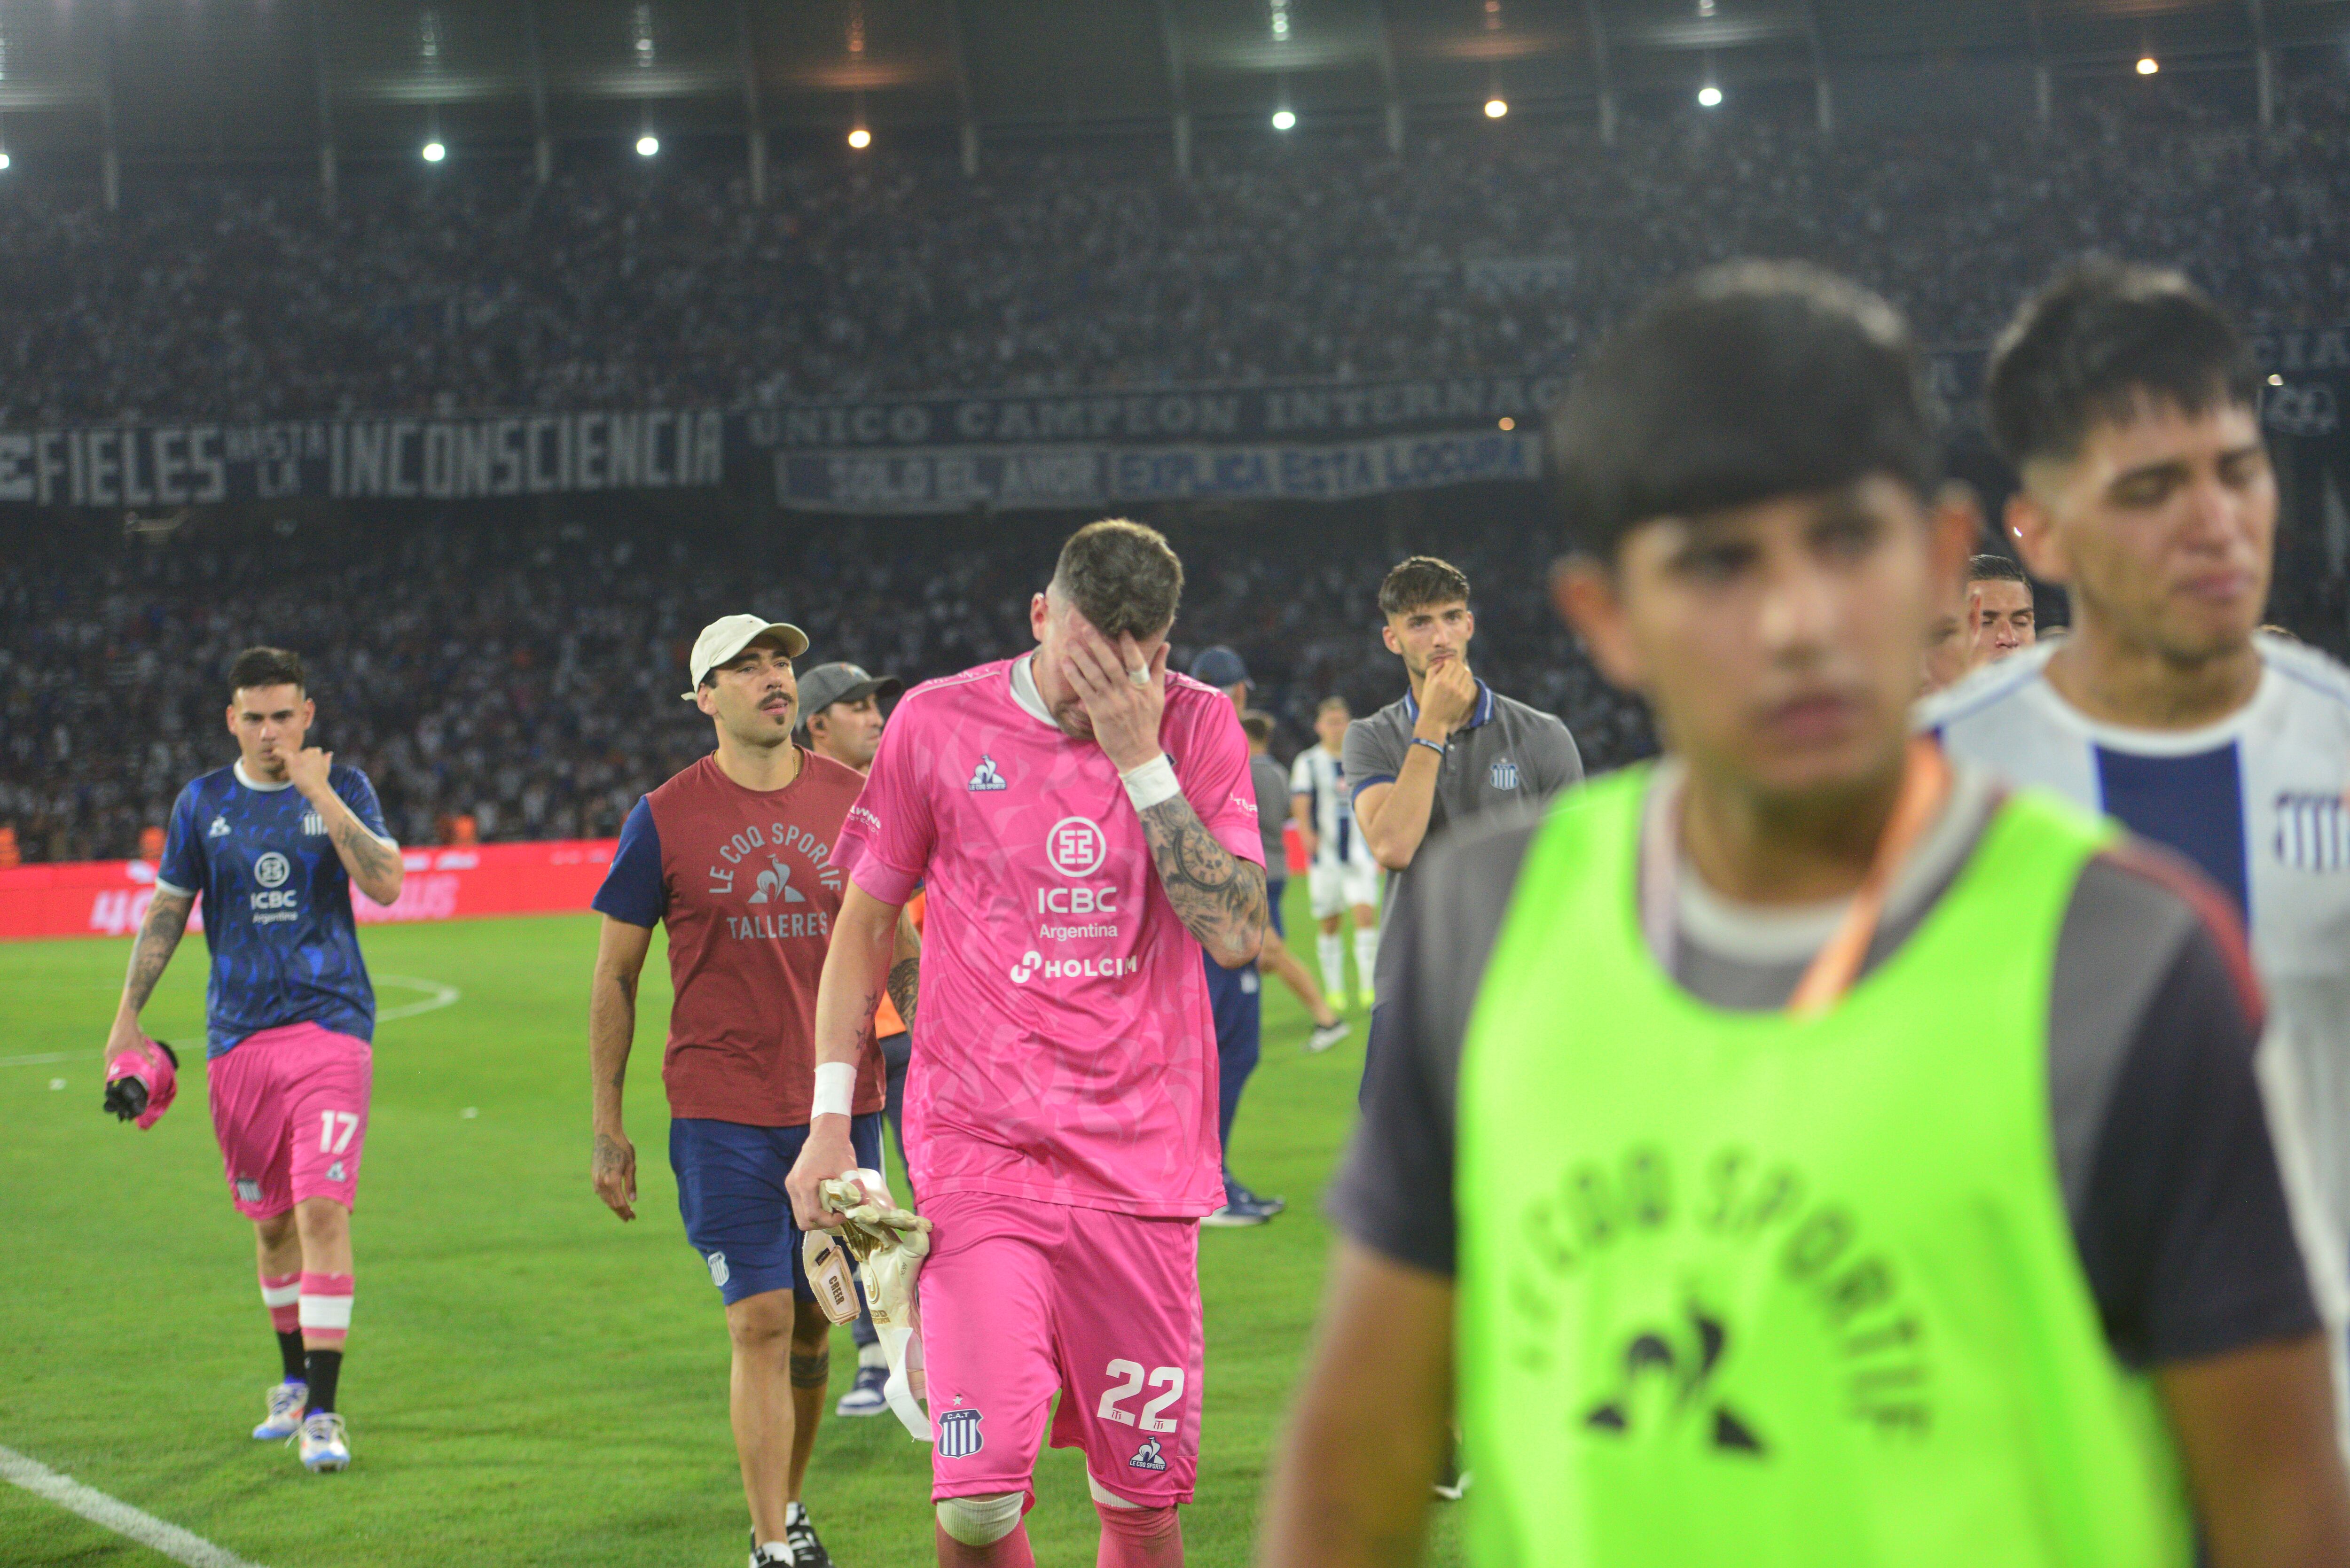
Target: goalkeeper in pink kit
1085, 824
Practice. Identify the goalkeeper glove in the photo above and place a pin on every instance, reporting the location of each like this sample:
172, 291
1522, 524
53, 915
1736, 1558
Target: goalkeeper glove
140, 1084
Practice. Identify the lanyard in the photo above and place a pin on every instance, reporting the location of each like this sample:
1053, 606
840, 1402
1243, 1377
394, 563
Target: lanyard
1925, 787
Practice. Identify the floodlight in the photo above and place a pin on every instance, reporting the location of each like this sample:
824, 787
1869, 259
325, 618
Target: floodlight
861, 139
2275, 379
647, 144
434, 152
2148, 65
1282, 119
1709, 97
3, 160
1495, 108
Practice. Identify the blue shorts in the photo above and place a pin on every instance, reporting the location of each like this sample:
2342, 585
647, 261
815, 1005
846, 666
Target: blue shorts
1273, 887
730, 1190
1236, 1001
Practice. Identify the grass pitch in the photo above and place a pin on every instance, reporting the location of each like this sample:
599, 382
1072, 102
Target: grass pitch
531, 1381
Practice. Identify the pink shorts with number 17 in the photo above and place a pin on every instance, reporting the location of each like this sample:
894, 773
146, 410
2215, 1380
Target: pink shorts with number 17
290, 1109
1023, 1299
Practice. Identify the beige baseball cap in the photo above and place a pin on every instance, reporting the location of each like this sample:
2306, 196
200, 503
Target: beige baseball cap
727, 635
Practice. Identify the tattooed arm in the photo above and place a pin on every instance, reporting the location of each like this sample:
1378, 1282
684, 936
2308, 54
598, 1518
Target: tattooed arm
373, 862
158, 937
611, 1029
905, 969
1218, 896
856, 968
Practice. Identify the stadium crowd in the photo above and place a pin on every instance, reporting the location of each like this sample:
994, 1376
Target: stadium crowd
527, 677
471, 288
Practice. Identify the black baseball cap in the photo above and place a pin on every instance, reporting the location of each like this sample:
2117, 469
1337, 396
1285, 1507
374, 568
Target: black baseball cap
829, 683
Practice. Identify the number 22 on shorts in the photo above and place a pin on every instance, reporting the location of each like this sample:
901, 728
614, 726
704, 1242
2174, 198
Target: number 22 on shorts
335, 1130
1112, 1402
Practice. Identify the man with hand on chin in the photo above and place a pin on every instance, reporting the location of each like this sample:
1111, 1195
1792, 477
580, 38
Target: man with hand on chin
272, 844
1449, 749
1085, 824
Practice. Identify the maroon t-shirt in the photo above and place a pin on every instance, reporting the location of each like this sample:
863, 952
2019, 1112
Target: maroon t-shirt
747, 886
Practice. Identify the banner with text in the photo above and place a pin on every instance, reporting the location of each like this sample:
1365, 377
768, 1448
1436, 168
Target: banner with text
957, 479
201, 464
1299, 441
1326, 441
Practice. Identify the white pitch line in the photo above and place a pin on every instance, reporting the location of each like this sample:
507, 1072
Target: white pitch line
39, 1059
178, 1544
441, 996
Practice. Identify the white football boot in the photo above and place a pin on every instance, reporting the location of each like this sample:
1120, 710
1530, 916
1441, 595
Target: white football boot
287, 1403
325, 1444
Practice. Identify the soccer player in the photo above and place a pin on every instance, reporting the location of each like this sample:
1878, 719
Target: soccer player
2128, 404
1827, 1157
1085, 823
272, 844
1999, 604
1223, 669
1341, 876
840, 708
738, 857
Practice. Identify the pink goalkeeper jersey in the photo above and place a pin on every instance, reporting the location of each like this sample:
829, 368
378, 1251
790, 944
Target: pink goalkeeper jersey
1063, 1046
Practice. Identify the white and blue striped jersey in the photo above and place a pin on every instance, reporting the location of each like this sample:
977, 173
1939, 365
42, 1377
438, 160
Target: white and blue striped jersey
2261, 803
1322, 778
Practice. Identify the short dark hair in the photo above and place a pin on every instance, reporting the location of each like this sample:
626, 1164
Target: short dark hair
2099, 341
1995, 568
266, 667
1744, 381
1123, 577
1257, 726
1334, 700
1417, 581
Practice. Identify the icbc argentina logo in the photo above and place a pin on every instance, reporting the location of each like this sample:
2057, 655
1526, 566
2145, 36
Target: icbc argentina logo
1075, 849
272, 870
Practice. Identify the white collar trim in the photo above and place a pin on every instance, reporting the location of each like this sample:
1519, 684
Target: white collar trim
1024, 692
2160, 742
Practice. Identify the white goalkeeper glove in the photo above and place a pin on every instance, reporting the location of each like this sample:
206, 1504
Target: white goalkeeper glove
889, 1244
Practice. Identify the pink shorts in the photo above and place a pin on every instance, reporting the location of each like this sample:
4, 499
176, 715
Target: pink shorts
1022, 1300
290, 1110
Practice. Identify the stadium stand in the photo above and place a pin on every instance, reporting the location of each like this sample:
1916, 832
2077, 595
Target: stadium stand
473, 289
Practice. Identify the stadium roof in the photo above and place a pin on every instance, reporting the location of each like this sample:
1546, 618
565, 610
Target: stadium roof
246, 79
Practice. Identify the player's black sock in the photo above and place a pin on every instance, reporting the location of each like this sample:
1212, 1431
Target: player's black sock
290, 1353
324, 1366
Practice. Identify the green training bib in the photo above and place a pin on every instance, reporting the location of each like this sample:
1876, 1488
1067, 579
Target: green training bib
1745, 1288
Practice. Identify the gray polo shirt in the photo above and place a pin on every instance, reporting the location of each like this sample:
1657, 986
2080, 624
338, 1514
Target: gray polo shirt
1504, 754
1272, 782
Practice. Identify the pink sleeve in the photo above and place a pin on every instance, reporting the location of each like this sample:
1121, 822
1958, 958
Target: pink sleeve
1215, 773
885, 842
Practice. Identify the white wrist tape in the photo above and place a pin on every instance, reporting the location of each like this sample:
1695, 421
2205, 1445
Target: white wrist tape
1152, 783
836, 1087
